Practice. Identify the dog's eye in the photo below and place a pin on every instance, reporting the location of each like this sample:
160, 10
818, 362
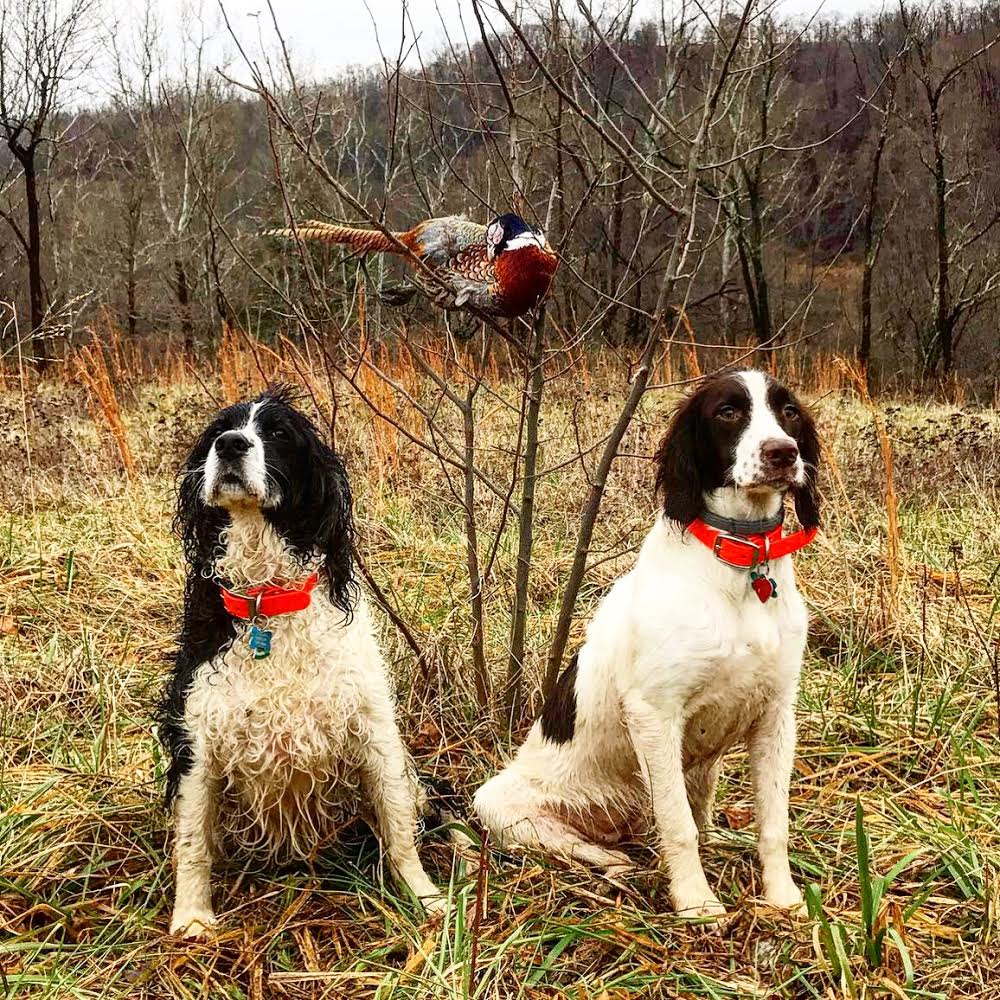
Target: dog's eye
279, 434
727, 412
791, 411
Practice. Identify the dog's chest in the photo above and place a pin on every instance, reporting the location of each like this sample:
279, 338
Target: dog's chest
723, 712
735, 682
298, 710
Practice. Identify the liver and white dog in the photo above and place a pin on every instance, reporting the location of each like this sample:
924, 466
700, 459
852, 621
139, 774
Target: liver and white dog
279, 715
698, 647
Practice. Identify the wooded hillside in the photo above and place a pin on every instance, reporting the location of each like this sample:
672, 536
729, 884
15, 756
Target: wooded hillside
846, 184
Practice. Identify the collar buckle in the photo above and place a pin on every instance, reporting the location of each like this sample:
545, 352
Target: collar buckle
754, 548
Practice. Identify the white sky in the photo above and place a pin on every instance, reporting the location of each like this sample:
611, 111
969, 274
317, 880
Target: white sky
327, 36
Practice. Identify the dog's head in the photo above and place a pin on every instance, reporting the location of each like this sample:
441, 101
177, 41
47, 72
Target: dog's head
266, 456
745, 430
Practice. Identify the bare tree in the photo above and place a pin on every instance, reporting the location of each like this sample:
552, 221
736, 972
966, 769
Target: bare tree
874, 221
937, 67
675, 166
43, 51
179, 132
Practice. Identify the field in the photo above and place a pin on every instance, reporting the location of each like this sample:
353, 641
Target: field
895, 796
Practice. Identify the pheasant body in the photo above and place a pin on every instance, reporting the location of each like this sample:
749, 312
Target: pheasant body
503, 269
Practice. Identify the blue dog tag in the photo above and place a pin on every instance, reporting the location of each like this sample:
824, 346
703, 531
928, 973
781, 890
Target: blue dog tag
260, 642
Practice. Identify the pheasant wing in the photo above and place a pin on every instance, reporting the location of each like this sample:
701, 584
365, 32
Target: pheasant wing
456, 249
440, 241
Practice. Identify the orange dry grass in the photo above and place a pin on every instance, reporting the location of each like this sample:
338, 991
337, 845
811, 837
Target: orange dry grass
230, 365
690, 351
381, 398
893, 540
91, 368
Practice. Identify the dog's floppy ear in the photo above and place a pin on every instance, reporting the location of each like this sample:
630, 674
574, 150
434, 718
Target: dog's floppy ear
331, 492
806, 496
316, 514
678, 478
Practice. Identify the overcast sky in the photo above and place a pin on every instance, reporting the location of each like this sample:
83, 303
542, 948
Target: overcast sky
327, 36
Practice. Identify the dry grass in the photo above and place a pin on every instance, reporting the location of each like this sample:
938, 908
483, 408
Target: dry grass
897, 714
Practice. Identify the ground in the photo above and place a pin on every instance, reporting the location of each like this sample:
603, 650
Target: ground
895, 811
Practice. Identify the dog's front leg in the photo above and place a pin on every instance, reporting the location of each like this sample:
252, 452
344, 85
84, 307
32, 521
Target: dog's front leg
195, 810
772, 754
391, 796
658, 742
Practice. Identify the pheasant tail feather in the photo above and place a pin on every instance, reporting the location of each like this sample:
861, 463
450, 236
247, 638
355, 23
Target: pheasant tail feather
363, 240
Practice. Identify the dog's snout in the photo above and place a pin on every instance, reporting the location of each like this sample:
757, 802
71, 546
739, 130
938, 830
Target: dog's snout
779, 453
232, 444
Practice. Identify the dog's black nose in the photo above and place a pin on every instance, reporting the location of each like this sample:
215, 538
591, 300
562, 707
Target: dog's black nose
779, 453
232, 444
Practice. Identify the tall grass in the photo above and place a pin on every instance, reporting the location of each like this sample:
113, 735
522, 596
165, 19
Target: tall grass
895, 814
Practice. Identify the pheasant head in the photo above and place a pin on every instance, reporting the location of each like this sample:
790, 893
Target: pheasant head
509, 233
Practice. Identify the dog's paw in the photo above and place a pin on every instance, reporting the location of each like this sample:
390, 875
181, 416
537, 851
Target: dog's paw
619, 869
194, 924
699, 906
785, 896
435, 904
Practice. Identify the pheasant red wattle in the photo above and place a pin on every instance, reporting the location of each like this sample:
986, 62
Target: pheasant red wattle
503, 269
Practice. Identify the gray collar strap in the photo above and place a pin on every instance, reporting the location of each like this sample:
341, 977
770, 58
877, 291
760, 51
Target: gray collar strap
733, 527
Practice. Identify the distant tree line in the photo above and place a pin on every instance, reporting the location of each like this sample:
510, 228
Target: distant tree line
846, 192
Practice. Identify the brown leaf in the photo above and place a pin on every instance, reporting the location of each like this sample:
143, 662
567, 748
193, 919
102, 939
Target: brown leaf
737, 817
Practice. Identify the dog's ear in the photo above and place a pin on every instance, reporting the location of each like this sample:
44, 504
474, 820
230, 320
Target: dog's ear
330, 492
806, 496
679, 483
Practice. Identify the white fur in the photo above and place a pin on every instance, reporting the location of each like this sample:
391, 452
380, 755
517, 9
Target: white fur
681, 661
254, 471
287, 747
748, 468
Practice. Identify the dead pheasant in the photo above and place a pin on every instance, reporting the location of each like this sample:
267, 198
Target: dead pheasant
503, 269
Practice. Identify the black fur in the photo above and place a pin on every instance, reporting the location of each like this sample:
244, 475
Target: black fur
443, 805
696, 454
559, 712
314, 515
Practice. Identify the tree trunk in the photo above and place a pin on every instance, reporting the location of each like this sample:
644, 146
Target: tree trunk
131, 318
762, 312
36, 295
614, 266
184, 301
942, 290
221, 300
750, 269
865, 343
725, 266
480, 674
514, 694
593, 506
871, 244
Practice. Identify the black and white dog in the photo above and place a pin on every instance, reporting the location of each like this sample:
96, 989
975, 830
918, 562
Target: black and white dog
279, 716
698, 647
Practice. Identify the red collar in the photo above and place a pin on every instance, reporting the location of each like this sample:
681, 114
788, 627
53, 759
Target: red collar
749, 551
269, 599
